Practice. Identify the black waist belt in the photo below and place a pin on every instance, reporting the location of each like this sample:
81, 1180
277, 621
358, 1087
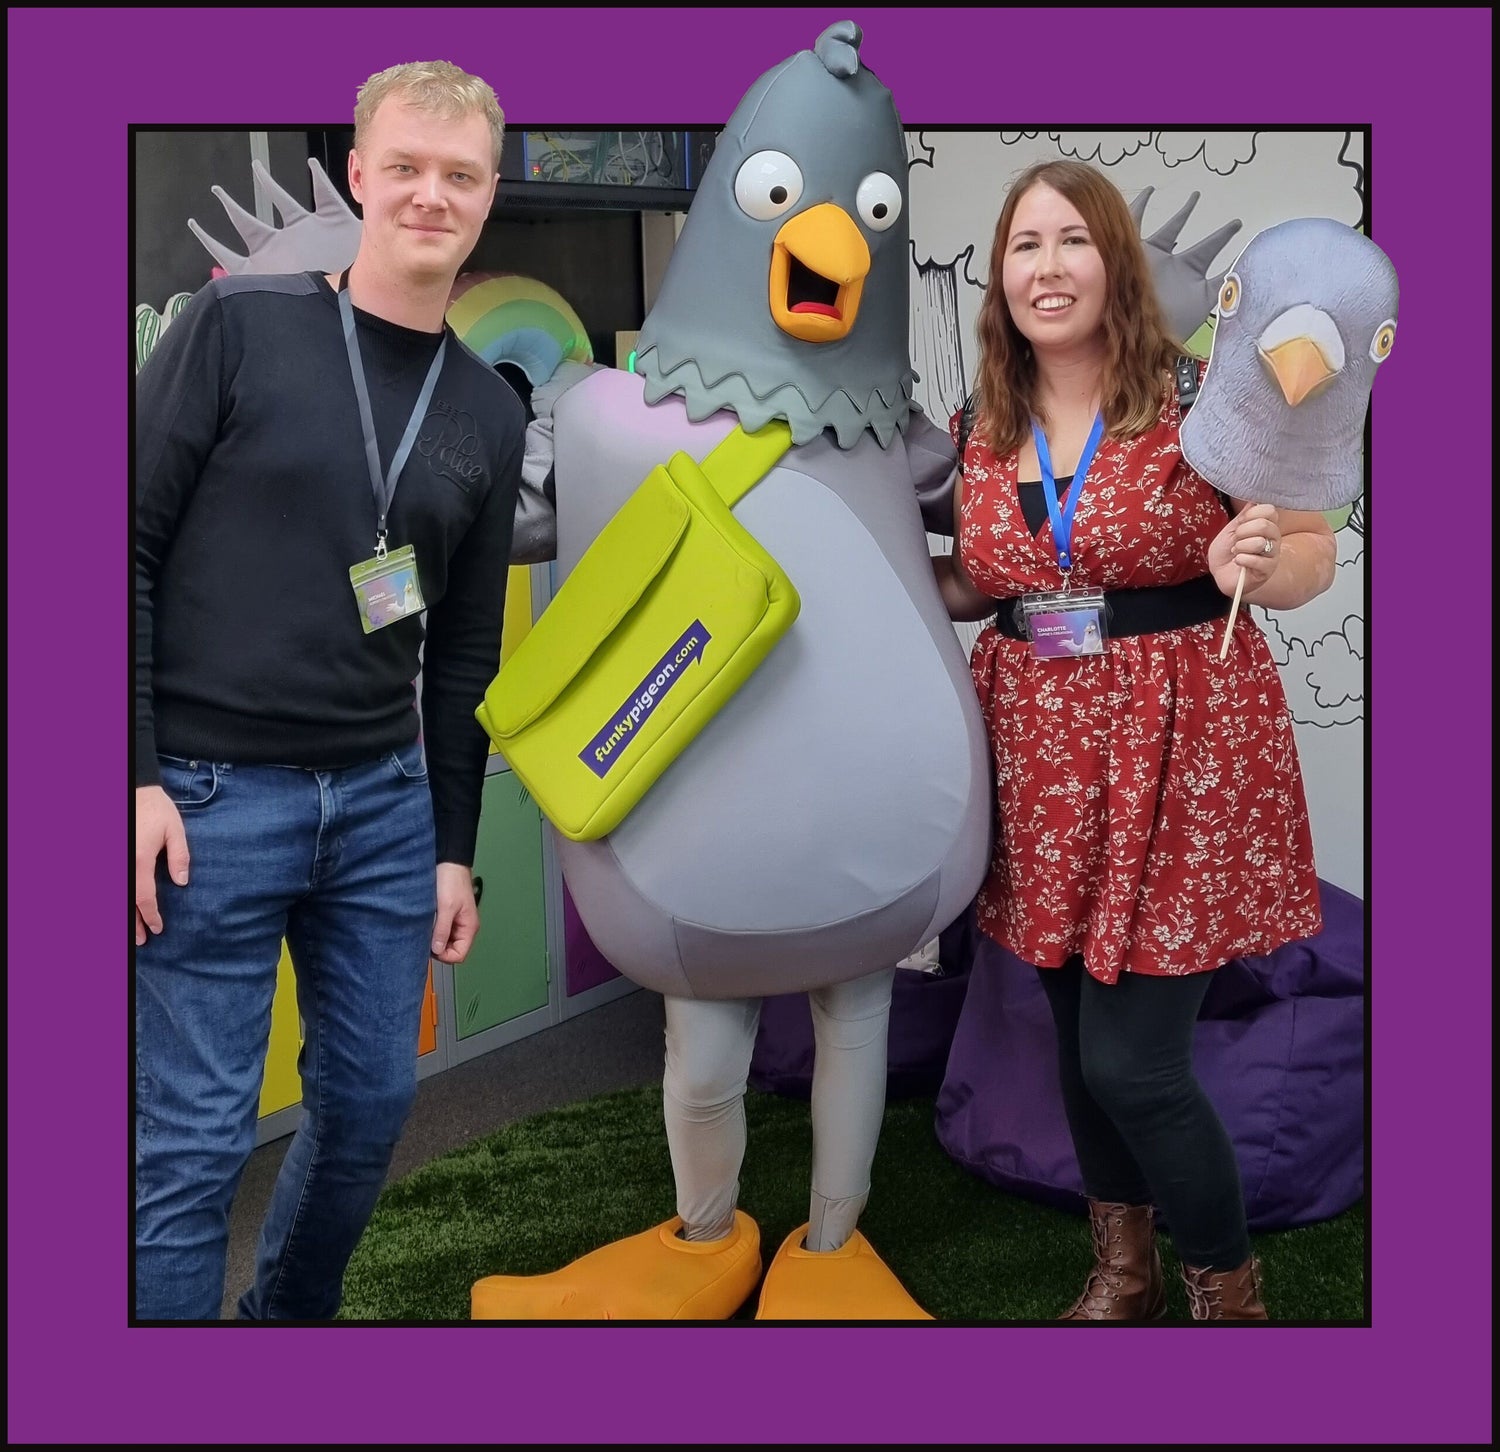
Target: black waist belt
1141, 612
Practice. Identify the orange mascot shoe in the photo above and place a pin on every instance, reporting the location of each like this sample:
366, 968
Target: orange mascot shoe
851, 1283
653, 1276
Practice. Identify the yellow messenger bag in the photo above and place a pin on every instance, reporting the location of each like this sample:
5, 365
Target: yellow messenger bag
662, 620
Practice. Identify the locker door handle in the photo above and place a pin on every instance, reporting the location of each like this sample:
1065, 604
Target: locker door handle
478, 890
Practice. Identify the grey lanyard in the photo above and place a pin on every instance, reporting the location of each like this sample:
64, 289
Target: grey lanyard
385, 489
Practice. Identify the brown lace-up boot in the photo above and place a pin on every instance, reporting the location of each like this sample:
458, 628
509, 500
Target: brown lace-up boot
1232, 1295
1125, 1283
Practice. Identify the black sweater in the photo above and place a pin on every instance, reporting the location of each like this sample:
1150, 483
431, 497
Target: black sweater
252, 501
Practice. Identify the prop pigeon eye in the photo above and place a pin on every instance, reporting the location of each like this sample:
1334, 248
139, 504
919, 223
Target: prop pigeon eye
879, 201
1229, 296
1383, 341
767, 184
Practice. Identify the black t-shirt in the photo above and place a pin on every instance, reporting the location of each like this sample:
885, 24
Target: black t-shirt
253, 500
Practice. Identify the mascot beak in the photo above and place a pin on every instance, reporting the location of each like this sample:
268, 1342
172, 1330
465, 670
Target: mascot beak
1303, 351
819, 263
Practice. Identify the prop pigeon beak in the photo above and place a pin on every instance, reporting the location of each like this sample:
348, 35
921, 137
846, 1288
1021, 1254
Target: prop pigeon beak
819, 263
1303, 352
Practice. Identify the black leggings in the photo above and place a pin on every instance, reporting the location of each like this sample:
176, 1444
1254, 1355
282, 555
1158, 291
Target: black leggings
1143, 1128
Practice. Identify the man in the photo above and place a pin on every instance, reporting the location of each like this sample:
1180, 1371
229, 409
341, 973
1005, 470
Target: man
318, 463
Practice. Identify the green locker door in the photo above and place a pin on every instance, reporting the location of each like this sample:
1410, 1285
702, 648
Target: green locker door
506, 972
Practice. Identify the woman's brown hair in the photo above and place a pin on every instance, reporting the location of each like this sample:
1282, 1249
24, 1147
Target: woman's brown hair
1139, 349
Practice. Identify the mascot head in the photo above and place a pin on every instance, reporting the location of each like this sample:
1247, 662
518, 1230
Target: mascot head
787, 293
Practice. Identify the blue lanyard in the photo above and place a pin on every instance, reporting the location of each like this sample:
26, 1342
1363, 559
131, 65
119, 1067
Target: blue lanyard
385, 489
1062, 518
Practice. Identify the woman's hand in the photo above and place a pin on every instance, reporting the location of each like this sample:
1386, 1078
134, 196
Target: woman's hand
1250, 541
1297, 567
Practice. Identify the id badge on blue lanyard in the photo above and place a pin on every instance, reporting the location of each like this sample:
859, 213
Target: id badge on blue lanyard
1062, 624
386, 586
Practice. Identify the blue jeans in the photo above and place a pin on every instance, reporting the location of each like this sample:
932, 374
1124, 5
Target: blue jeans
340, 864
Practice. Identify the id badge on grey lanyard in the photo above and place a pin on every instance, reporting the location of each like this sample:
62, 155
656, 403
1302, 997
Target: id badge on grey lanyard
386, 586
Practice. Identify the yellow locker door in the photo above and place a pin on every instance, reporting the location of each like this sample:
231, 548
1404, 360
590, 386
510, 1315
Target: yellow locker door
282, 1085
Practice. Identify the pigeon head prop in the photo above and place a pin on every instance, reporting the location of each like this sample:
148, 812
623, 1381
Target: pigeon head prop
1306, 316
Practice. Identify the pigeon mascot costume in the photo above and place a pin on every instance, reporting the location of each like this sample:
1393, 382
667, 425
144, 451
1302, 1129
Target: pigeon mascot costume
834, 815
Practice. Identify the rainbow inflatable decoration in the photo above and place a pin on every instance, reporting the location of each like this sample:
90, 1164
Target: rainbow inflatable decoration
506, 318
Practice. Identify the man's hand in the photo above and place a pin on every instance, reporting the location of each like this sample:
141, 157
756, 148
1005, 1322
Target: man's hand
457, 913
158, 828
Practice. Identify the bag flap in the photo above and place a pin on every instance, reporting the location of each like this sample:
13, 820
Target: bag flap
614, 572
705, 495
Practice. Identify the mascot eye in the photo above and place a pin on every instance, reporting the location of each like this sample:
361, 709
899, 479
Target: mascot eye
1383, 341
767, 184
879, 201
1229, 296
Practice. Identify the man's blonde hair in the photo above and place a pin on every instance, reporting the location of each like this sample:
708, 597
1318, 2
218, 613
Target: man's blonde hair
438, 87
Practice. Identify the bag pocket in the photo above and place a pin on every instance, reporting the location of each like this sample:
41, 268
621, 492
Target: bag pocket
666, 615
607, 582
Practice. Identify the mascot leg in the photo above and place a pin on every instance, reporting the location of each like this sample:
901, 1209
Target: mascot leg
702, 1264
850, 1024
709, 1044
826, 1270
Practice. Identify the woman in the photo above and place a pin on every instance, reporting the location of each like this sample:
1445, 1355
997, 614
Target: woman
1151, 821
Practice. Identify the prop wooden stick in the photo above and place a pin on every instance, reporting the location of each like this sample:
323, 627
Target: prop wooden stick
1234, 609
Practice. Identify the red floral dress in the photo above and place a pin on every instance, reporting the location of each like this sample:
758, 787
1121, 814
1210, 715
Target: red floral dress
1151, 814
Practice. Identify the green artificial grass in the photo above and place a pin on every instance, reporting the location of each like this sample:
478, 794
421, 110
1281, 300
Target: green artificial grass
537, 1194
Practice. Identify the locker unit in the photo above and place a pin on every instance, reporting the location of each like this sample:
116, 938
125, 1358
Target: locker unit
506, 973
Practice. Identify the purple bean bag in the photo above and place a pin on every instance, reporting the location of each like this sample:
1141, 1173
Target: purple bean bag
924, 1013
1279, 1049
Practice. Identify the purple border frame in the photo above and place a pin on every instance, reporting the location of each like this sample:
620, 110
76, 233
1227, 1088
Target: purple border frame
1420, 77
